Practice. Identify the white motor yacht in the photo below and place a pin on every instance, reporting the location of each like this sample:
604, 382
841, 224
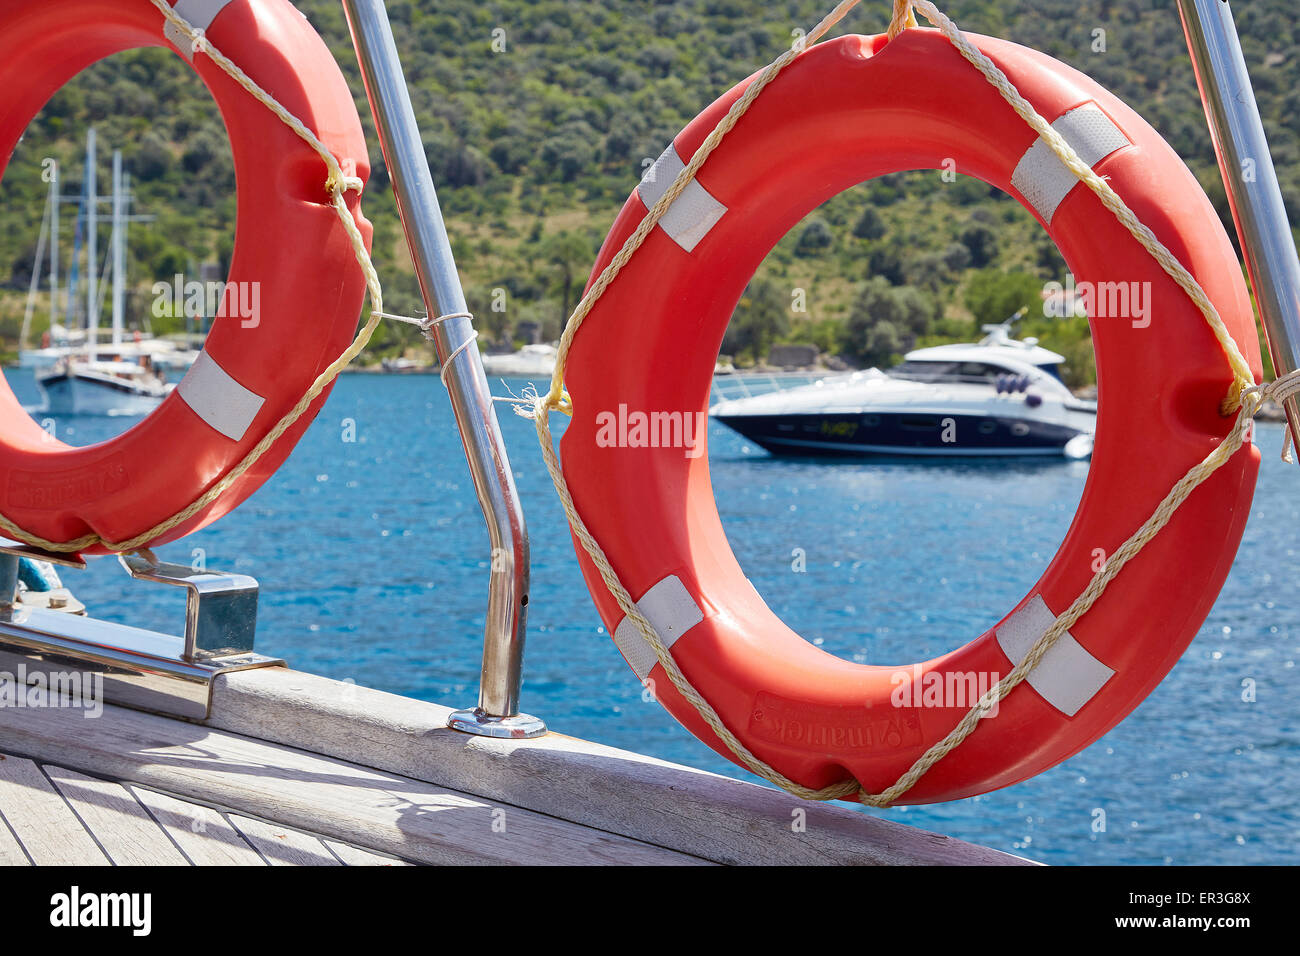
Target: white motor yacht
1000, 396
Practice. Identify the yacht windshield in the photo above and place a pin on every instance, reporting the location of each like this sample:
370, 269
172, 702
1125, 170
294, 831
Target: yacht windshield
1054, 371
975, 373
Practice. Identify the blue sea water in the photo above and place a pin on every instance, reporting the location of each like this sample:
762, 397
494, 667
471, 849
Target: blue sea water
373, 564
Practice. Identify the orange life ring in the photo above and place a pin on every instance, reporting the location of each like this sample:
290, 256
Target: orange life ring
290, 247
844, 112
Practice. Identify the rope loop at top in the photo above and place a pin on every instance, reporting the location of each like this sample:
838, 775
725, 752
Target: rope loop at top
904, 17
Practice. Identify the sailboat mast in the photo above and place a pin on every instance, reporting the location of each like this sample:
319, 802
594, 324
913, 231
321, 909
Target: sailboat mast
36, 279
54, 248
92, 252
74, 261
119, 247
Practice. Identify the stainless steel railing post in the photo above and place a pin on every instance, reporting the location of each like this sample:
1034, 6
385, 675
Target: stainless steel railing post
1250, 180
497, 713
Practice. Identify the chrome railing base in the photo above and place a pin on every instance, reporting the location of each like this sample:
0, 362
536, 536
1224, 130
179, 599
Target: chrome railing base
483, 724
110, 663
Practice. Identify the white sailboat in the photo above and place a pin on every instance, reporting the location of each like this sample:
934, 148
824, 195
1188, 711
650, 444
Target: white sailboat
531, 361
59, 341
122, 378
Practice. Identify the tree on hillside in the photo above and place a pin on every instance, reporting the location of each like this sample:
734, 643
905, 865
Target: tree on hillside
569, 151
815, 239
885, 260
762, 316
869, 225
993, 295
981, 243
572, 255
886, 321
883, 342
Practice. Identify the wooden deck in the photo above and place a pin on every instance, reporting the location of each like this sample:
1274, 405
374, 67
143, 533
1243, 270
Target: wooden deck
51, 816
293, 769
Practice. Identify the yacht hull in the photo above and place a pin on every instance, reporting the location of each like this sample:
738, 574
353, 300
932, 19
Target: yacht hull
901, 433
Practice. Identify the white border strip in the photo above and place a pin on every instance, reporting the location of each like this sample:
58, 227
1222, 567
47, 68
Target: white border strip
672, 611
1043, 179
692, 214
200, 14
1068, 676
218, 399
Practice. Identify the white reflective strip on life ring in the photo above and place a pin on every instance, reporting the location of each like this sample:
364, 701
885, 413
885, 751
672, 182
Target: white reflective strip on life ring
1043, 179
672, 611
1068, 676
218, 399
199, 14
692, 214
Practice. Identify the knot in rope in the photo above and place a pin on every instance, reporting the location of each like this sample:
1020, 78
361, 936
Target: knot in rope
1278, 391
1233, 401
556, 400
339, 183
1252, 398
535, 406
426, 325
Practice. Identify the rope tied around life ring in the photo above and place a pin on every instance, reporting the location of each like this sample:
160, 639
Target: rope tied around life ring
336, 185
1244, 399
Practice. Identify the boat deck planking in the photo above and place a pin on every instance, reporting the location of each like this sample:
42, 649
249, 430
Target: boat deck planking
52, 816
294, 769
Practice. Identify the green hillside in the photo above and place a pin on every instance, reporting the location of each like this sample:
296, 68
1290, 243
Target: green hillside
535, 146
